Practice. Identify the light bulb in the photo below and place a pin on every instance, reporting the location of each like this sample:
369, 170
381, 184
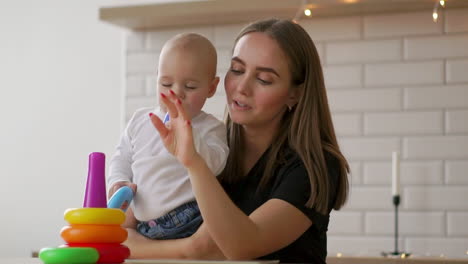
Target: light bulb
435, 16
307, 12
442, 3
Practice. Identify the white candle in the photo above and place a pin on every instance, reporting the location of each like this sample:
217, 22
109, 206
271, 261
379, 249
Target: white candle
395, 174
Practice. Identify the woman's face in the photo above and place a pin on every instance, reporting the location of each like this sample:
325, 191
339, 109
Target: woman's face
258, 82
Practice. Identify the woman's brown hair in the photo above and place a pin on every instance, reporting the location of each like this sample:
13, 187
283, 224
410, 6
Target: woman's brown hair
309, 126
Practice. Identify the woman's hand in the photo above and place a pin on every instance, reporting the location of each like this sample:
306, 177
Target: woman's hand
137, 244
199, 246
177, 134
203, 246
145, 248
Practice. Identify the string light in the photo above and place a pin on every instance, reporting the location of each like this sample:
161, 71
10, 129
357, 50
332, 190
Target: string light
303, 9
435, 12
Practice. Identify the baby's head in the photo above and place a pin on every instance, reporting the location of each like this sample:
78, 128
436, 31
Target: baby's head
187, 66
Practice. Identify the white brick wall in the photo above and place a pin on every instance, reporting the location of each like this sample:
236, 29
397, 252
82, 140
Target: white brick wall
403, 123
432, 47
401, 25
411, 173
343, 76
456, 122
456, 223
365, 100
429, 224
456, 71
456, 172
363, 51
326, 29
404, 73
396, 82
347, 124
450, 96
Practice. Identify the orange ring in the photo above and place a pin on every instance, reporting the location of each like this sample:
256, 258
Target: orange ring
94, 234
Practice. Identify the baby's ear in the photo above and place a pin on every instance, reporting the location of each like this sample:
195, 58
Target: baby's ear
213, 86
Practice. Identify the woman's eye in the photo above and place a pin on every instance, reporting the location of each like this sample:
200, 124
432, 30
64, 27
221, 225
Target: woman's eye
235, 71
264, 82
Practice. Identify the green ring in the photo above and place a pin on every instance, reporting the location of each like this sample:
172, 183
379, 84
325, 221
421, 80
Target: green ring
70, 255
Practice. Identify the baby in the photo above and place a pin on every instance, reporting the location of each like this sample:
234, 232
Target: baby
164, 206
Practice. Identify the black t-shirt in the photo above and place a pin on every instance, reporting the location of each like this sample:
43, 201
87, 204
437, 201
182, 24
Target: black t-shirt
291, 184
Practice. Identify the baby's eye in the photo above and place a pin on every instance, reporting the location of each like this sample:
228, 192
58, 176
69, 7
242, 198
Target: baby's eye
190, 87
166, 84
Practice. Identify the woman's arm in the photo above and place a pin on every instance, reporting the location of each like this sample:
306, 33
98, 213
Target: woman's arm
269, 228
142, 247
198, 246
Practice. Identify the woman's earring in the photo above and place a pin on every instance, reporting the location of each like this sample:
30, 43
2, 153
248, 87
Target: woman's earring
289, 108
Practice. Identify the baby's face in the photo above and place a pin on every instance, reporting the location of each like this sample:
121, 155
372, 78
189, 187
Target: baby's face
188, 77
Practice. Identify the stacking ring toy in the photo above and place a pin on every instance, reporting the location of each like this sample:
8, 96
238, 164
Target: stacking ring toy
94, 234
108, 253
97, 216
121, 199
76, 255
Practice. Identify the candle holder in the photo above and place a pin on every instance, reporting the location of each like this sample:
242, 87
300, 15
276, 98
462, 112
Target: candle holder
396, 252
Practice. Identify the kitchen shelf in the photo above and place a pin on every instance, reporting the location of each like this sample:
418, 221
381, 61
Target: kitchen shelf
147, 16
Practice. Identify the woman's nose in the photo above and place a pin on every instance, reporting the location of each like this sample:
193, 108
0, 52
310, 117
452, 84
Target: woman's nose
243, 86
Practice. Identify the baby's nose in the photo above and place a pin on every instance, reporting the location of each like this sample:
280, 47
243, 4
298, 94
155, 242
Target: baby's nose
179, 92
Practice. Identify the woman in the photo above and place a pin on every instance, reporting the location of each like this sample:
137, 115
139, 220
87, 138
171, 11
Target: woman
285, 171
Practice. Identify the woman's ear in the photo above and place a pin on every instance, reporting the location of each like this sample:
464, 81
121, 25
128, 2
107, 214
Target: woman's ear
213, 86
294, 95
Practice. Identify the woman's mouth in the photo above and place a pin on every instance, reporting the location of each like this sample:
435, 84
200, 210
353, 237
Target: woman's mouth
240, 106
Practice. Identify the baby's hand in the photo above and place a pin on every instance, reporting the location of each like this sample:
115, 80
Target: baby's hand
117, 186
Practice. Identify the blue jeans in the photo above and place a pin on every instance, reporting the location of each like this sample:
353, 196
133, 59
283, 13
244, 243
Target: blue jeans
178, 223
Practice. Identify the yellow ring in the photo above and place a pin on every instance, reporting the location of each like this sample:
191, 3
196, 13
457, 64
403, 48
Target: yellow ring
96, 216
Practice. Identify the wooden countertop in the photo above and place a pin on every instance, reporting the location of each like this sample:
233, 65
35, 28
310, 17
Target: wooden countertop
330, 260
394, 260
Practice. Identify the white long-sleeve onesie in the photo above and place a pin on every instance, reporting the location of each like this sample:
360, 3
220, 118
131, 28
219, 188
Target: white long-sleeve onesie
162, 182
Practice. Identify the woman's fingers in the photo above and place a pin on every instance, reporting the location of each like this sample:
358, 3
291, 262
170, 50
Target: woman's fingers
181, 110
159, 125
178, 105
169, 101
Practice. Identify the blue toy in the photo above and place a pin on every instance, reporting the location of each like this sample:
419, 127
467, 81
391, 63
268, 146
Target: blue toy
121, 198
166, 118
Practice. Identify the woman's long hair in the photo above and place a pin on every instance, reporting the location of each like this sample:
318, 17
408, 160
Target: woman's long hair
307, 128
